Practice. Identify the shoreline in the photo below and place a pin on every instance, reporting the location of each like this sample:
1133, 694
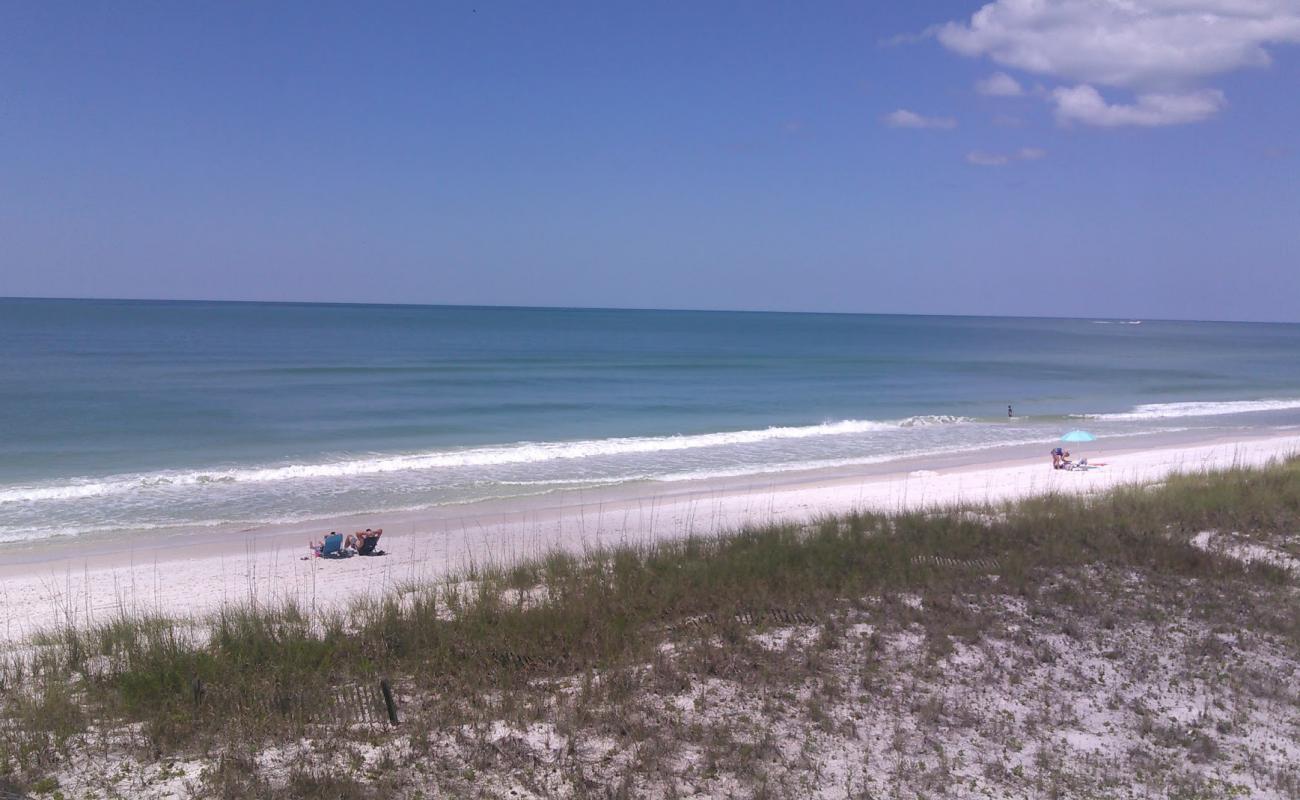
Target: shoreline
196, 572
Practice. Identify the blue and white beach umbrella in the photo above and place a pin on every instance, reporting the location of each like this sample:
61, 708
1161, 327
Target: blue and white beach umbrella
1078, 436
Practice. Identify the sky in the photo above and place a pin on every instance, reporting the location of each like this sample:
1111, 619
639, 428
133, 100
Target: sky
1113, 158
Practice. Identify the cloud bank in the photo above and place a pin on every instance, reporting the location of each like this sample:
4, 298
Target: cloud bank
1158, 49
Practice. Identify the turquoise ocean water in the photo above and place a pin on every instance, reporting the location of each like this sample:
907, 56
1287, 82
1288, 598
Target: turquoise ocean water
126, 415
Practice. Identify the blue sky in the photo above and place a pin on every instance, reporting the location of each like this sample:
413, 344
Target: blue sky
1135, 160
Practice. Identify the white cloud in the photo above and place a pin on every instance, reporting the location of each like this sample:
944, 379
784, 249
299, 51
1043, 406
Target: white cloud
1085, 104
983, 158
902, 118
999, 84
1135, 43
1159, 49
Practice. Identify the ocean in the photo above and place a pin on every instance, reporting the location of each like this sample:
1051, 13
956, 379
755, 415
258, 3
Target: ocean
139, 415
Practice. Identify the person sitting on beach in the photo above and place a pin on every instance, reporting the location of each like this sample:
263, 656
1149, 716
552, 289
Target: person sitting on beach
366, 541
1060, 458
329, 547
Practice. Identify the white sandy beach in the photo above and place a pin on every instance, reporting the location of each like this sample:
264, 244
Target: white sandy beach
196, 573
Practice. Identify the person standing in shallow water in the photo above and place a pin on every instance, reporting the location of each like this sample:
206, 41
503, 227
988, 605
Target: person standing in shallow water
1009, 414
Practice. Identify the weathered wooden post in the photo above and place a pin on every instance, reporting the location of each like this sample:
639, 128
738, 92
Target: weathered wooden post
389, 704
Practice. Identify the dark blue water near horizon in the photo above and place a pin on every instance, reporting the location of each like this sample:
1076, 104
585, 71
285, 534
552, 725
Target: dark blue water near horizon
126, 414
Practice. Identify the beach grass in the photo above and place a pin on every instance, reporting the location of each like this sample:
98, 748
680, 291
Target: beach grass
500, 642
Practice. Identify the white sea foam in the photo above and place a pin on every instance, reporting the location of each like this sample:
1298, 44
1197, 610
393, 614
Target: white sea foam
927, 420
832, 463
521, 453
1195, 409
73, 491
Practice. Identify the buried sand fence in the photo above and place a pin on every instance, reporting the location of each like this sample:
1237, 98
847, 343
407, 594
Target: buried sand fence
343, 705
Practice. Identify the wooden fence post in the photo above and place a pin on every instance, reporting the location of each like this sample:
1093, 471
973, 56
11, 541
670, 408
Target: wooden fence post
389, 704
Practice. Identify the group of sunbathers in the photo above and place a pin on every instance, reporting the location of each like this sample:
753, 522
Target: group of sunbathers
361, 543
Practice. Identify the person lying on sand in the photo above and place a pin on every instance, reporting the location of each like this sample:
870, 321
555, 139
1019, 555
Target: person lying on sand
1061, 460
1083, 465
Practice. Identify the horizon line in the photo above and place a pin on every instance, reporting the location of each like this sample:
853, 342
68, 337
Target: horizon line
507, 306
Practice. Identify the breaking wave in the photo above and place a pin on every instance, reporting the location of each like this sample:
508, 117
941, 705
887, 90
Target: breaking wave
520, 453
1195, 409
